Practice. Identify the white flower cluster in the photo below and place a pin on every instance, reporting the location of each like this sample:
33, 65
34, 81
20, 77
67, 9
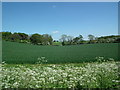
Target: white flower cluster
41, 60
89, 75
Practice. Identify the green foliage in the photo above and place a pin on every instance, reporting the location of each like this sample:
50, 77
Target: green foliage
44, 39
96, 75
36, 39
41, 60
16, 37
117, 40
91, 37
23, 36
47, 39
112, 36
13, 52
109, 39
75, 40
6, 35
63, 43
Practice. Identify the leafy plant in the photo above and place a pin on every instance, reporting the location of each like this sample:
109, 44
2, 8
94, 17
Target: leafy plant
41, 60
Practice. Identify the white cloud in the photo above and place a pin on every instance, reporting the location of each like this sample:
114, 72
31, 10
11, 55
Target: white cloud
54, 32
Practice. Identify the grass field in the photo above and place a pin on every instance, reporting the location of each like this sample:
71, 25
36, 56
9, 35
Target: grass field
67, 71
13, 52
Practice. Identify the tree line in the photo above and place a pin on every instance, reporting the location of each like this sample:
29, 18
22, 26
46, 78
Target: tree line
36, 38
47, 39
69, 40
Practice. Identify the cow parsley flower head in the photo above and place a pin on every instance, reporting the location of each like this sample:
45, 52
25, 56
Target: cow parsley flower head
41, 60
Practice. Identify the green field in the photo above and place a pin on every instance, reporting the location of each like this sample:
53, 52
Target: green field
15, 53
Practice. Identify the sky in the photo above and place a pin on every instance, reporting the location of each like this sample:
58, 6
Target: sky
57, 18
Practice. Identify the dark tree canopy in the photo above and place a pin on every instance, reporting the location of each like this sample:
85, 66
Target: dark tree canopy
36, 39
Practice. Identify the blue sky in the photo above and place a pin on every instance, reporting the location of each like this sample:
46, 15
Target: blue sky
55, 18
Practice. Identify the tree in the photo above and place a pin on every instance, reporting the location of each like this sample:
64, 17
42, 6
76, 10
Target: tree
15, 37
80, 39
63, 39
69, 39
117, 40
91, 37
66, 40
63, 43
6, 35
36, 39
23, 36
50, 40
75, 40
47, 39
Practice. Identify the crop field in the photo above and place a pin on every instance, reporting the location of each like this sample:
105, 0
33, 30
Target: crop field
17, 53
32, 66
87, 75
